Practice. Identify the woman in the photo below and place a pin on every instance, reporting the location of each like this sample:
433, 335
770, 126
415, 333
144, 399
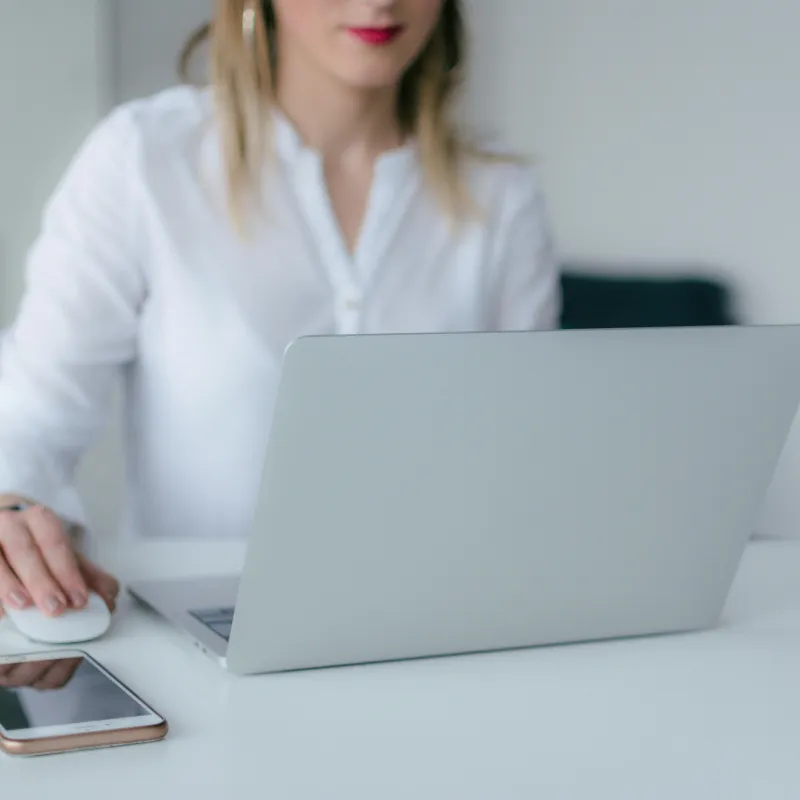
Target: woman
319, 187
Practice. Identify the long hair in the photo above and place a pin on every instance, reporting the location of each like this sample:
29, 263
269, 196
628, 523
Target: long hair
243, 64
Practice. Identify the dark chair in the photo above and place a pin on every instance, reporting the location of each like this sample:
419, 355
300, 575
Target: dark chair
630, 300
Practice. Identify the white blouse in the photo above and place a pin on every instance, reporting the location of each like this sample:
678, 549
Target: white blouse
138, 274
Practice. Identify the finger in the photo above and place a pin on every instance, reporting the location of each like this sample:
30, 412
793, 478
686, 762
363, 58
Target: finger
99, 581
57, 676
59, 556
12, 593
23, 556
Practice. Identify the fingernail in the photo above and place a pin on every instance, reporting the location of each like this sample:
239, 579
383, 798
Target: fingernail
78, 599
53, 604
19, 600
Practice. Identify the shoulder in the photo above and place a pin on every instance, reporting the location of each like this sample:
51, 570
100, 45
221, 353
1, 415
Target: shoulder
492, 167
153, 127
165, 121
499, 179
504, 185
169, 114
122, 153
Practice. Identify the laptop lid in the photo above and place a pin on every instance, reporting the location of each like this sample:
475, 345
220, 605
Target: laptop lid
439, 494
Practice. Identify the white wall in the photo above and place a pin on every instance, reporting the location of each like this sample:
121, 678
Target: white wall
50, 93
667, 132
148, 36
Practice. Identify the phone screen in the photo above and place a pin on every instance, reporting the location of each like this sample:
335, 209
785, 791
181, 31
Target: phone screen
58, 692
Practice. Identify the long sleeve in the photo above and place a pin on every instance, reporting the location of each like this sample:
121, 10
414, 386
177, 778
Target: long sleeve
77, 325
524, 290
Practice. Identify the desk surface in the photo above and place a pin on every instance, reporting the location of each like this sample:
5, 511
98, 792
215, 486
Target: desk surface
705, 715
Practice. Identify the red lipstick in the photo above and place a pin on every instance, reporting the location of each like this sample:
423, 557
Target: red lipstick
377, 36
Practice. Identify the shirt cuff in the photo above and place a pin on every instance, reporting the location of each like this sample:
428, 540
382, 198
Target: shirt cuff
45, 490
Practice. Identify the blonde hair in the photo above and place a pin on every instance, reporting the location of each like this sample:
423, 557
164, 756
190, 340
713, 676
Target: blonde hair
243, 61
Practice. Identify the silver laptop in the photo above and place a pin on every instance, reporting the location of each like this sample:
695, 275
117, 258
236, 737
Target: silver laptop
428, 495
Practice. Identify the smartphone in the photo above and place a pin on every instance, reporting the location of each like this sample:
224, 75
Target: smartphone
63, 701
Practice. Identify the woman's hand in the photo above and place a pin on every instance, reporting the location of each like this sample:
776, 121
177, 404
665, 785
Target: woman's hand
40, 566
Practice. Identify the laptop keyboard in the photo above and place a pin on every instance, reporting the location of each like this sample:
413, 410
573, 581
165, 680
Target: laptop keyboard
218, 620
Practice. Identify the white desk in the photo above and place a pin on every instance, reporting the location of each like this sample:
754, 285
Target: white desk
713, 715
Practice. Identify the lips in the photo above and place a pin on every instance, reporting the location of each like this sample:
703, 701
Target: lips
377, 36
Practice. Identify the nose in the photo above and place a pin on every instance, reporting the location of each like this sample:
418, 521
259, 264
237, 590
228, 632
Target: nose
380, 5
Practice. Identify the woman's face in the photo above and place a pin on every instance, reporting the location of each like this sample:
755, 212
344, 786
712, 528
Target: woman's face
366, 44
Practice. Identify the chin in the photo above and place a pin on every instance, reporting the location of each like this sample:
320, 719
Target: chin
373, 85
372, 78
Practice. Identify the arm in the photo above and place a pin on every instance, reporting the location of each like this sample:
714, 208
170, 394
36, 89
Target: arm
524, 284
76, 327
78, 320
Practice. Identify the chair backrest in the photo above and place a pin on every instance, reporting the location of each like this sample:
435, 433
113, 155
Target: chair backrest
630, 300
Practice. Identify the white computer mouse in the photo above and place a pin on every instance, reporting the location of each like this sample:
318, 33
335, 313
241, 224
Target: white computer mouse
72, 627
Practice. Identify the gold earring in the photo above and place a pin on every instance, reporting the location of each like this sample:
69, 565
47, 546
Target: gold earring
249, 23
